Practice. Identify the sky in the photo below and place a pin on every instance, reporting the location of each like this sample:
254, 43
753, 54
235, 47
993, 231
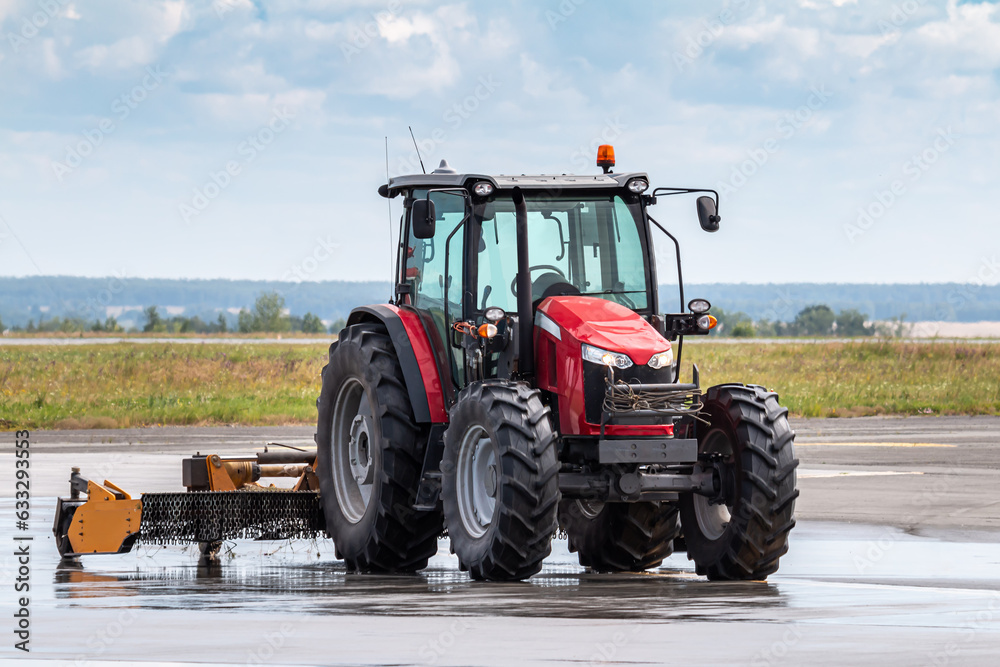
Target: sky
850, 141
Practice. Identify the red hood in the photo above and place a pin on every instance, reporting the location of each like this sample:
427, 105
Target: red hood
606, 325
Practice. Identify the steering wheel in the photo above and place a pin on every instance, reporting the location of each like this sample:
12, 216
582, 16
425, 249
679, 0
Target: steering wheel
554, 269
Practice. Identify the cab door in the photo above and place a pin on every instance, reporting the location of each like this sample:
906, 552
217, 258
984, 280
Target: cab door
433, 286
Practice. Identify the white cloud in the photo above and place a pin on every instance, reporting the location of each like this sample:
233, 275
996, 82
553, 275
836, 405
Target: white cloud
971, 31
557, 91
160, 23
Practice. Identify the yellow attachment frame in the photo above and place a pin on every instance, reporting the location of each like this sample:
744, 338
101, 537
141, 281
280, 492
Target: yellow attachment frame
104, 523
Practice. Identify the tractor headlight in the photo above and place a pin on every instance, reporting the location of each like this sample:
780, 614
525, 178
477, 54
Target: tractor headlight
661, 360
483, 189
699, 306
638, 185
605, 358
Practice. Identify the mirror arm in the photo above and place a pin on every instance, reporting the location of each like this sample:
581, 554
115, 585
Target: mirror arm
677, 252
666, 192
447, 255
680, 285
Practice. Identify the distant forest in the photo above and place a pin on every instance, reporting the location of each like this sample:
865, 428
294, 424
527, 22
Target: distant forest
46, 297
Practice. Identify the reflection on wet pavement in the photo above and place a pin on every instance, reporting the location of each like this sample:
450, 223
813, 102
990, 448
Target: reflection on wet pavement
299, 583
841, 586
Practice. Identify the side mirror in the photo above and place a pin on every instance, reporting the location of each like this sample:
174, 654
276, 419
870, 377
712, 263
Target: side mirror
708, 216
423, 218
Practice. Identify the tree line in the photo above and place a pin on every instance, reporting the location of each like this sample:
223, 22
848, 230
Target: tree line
266, 316
817, 320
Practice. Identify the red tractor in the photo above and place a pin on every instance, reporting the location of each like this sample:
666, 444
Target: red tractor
522, 381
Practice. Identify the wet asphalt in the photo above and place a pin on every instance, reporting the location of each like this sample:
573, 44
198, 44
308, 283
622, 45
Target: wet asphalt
895, 561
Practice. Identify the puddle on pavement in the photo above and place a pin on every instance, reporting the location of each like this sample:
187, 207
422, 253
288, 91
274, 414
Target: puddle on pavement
839, 571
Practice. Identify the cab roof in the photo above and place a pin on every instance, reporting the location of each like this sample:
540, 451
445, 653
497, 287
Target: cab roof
447, 178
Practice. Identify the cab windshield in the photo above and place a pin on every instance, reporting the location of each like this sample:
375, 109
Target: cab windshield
590, 245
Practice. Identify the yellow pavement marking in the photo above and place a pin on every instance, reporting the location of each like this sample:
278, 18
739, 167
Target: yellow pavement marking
814, 474
870, 444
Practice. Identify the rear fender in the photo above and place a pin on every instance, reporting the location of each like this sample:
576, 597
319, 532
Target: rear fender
416, 358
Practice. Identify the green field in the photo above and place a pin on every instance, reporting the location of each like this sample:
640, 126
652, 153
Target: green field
124, 385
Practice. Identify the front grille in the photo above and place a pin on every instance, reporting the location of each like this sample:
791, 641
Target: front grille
595, 388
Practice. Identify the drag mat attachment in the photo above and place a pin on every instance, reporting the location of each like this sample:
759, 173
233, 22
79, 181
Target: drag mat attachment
212, 516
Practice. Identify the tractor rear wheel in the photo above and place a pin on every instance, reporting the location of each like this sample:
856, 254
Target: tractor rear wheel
744, 536
369, 458
619, 537
500, 488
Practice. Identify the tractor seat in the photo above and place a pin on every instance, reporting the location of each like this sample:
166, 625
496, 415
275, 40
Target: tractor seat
551, 284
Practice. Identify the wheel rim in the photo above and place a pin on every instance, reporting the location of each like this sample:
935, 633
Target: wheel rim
353, 441
477, 481
714, 519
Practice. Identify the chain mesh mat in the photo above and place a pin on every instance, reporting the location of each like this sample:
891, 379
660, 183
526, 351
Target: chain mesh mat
210, 516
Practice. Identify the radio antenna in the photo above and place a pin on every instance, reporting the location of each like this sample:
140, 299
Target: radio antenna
417, 149
388, 202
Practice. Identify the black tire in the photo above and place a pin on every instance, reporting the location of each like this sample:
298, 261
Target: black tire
620, 537
63, 545
383, 533
760, 505
508, 422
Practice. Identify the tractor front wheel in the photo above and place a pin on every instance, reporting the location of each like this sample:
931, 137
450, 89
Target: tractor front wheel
370, 456
500, 488
619, 537
742, 534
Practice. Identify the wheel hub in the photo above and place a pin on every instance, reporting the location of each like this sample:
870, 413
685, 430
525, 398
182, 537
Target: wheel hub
359, 451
